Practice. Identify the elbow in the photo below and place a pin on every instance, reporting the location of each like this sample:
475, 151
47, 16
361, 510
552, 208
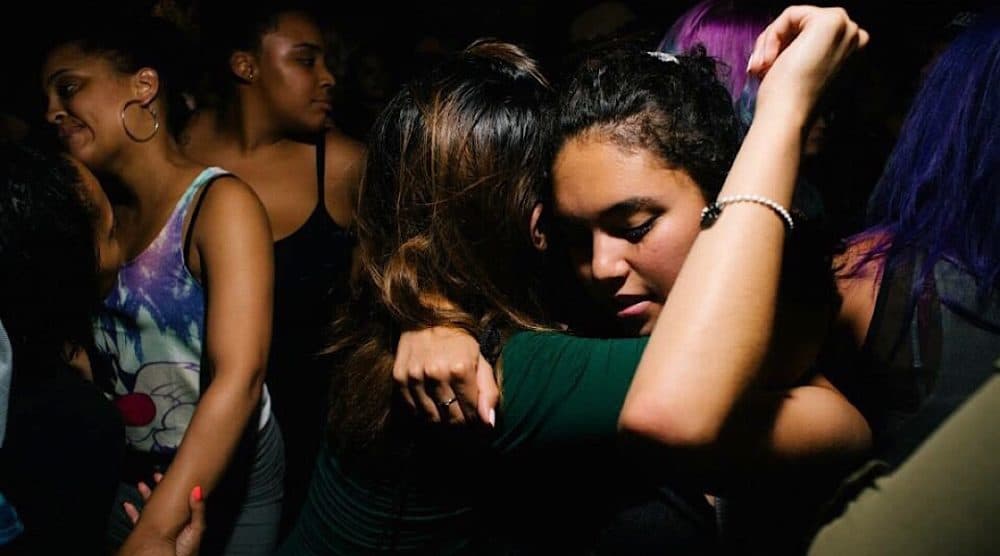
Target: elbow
256, 384
670, 425
244, 382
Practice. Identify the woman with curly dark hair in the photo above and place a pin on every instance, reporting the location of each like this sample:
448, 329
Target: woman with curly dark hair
59, 253
49, 286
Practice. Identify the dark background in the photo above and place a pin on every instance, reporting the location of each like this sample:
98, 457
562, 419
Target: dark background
385, 42
377, 45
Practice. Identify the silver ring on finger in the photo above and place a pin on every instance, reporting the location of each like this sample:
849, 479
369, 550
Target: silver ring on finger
449, 402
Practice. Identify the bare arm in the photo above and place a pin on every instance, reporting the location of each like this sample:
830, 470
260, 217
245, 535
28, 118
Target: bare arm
234, 252
692, 379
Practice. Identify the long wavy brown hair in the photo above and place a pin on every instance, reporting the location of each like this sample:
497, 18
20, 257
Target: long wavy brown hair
454, 170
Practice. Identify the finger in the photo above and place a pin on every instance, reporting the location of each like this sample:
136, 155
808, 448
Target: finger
489, 391
144, 491
784, 29
752, 64
852, 37
466, 388
131, 512
157, 477
863, 38
403, 385
448, 405
427, 405
408, 398
196, 501
773, 42
779, 36
400, 376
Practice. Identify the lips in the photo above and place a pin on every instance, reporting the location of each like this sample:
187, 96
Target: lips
632, 305
67, 129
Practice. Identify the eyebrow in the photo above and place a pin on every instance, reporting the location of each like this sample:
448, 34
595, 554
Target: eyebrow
309, 45
629, 206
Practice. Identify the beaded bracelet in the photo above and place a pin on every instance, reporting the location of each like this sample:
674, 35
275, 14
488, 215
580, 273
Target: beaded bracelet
712, 212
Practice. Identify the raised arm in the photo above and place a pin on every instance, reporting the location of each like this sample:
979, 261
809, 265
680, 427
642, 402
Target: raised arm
698, 372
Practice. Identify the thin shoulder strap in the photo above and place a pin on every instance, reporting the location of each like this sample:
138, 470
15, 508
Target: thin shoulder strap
195, 211
321, 169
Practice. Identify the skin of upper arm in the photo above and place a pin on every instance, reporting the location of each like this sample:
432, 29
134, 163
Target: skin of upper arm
235, 252
345, 160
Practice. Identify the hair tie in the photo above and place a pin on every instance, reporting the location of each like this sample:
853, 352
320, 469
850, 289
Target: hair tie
663, 56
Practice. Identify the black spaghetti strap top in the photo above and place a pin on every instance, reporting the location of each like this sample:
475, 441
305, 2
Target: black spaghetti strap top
311, 267
311, 271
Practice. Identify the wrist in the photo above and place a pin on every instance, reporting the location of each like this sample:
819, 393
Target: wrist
781, 129
791, 110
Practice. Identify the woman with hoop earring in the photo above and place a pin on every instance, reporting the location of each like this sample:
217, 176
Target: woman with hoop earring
182, 340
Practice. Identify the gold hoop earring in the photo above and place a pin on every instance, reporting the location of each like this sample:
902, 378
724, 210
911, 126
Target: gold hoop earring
156, 122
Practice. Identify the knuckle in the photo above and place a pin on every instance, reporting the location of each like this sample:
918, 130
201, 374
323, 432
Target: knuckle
435, 372
459, 369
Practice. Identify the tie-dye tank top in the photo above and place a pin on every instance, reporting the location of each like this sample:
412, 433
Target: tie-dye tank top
150, 333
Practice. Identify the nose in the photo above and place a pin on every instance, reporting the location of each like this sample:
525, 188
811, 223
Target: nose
607, 260
326, 79
54, 111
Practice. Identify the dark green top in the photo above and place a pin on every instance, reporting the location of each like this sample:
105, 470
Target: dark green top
554, 449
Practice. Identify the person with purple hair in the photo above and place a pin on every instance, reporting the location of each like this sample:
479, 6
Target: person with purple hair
926, 274
726, 29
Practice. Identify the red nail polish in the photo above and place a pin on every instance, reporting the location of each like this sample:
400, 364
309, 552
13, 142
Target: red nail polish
197, 494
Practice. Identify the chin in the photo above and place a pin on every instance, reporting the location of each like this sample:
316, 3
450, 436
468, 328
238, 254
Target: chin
76, 146
311, 127
649, 322
630, 328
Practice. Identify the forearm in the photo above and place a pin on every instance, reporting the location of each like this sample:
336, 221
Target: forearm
712, 335
215, 430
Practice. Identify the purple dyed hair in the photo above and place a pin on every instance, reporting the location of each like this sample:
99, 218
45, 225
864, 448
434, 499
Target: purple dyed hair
940, 191
727, 29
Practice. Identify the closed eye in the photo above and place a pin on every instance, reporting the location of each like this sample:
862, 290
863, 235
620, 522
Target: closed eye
636, 233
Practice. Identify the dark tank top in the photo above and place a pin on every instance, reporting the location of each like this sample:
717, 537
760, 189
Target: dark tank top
311, 269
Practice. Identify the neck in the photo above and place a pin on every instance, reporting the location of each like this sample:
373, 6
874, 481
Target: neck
150, 172
246, 121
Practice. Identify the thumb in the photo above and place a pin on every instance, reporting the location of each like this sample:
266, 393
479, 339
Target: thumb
197, 503
489, 391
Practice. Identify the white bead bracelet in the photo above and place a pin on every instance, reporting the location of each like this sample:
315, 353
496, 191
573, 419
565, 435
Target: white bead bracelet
712, 212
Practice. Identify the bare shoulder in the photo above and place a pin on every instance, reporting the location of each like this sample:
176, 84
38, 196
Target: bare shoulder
231, 221
230, 189
230, 202
343, 151
344, 163
858, 281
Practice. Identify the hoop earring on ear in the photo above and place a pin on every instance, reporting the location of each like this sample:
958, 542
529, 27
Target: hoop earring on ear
156, 122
